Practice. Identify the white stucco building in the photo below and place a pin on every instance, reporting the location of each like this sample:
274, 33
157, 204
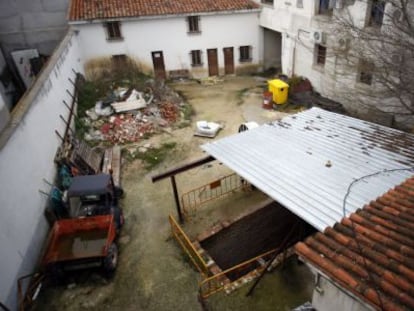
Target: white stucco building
307, 38
205, 39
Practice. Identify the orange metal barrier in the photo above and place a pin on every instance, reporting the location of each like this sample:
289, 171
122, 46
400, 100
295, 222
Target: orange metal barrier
214, 190
188, 247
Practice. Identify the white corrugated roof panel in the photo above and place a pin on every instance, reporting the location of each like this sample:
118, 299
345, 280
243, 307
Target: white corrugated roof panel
289, 161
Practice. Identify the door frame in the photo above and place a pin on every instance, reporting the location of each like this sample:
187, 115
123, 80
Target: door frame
159, 73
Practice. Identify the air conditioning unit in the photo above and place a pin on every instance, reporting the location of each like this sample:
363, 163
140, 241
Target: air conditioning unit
318, 36
397, 15
342, 43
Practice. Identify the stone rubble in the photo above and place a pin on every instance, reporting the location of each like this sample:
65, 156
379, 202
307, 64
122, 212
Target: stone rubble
163, 110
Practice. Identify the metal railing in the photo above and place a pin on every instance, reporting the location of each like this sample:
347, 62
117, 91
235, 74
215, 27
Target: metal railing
188, 247
215, 283
193, 199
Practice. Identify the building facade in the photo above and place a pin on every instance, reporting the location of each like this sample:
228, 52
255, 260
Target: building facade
187, 36
330, 42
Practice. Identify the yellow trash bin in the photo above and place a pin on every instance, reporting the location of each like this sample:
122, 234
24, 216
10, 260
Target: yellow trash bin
279, 90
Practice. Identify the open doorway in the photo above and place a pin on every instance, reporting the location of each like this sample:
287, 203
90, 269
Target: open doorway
272, 50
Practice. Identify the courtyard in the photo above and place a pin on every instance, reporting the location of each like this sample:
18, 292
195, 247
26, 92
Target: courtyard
153, 272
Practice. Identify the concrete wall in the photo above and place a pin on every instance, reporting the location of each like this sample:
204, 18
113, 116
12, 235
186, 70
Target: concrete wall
327, 297
28, 146
39, 24
141, 37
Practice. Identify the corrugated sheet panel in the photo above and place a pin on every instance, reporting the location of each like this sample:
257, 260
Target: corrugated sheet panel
308, 160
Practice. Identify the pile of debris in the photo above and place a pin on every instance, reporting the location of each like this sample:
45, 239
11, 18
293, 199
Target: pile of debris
127, 115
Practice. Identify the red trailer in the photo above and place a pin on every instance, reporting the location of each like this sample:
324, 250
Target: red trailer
81, 243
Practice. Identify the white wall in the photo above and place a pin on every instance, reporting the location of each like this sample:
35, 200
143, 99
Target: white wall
329, 297
169, 35
27, 151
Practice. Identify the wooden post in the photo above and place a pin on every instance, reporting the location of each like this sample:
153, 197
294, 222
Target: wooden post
177, 199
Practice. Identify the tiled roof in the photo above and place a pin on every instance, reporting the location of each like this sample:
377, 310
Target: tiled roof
102, 9
371, 252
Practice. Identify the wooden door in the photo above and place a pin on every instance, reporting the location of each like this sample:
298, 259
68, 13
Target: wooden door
228, 61
212, 62
159, 67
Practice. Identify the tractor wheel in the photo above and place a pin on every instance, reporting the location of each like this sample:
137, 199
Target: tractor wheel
111, 260
119, 192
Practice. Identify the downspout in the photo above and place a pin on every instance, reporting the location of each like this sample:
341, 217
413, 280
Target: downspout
294, 49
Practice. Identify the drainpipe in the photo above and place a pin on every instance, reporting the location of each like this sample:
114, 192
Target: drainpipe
294, 48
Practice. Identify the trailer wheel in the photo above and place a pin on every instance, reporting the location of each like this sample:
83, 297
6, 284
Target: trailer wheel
111, 260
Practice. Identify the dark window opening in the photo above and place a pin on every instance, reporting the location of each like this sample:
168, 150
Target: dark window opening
245, 53
113, 30
267, 2
196, 58
377, 13
193, 24
326, 6
366, 70
320, 54
119, 60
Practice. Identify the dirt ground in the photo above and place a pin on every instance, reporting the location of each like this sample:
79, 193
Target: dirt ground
153, 272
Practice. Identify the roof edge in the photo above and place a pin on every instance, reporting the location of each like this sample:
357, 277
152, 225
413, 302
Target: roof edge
150, 17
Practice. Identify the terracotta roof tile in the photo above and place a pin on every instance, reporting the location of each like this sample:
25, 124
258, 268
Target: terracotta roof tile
107, 9
371, 252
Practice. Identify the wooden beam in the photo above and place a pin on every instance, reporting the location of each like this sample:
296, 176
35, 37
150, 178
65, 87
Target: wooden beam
182, 168
177, 199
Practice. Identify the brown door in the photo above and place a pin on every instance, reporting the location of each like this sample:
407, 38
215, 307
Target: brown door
228, 61
212, 62
159, 68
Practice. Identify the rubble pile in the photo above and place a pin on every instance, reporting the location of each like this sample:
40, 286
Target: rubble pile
128, 115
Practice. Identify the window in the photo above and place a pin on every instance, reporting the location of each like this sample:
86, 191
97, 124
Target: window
194, 24
320, 55
377, 13
299, 4
366, 70
326, 6
245, 53
119, 60
113, 31
267, 2
196, 58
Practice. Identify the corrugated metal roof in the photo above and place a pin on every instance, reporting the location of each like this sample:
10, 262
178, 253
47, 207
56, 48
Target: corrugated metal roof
371, 253
307, 161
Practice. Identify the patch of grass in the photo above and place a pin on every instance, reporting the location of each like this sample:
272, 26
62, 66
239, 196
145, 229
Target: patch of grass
153, 157
240, 94
188, 111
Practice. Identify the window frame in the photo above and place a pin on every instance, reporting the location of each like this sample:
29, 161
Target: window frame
196, 58
366, 71
113, 31
245, 54
193, 24
267, 2
320, 54
325, 9
376, 21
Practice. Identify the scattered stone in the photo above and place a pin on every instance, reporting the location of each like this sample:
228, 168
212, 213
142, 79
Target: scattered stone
147, 145
142, 149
